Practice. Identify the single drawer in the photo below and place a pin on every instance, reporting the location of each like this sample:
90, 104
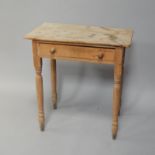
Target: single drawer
80, 53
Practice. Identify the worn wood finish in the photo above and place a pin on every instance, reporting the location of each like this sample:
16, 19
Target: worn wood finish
123, 59
90, 35
80, 43
118, 72
53, 81
39, 84
90, 54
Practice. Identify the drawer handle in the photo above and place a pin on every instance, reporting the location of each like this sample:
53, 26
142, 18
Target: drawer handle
100, 56
52, 51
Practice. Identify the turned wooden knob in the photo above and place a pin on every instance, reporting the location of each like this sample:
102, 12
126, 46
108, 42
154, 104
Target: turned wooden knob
100, 56
52, 51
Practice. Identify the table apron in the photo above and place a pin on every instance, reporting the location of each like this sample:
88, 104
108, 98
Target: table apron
98, 55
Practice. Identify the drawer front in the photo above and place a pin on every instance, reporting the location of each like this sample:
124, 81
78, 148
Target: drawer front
91, 54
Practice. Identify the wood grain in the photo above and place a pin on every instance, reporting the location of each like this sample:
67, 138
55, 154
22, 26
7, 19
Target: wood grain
90, 35
39, 84
54, 83
66, 52
93, 44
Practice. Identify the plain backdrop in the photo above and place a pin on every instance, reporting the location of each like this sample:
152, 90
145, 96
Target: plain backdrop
82, 123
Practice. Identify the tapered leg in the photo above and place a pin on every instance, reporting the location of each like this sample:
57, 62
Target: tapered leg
121, 90
116, 98
53, 83
118, 72
123, 57
39, 85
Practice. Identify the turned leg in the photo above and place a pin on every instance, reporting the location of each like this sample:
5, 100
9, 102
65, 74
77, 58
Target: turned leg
122, 62
39, 85
118, 71
116, 98
53, 82
121, 91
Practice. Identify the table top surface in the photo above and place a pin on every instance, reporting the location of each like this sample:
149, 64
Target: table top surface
80, 34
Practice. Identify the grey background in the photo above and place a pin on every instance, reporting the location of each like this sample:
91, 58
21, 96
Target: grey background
82, 123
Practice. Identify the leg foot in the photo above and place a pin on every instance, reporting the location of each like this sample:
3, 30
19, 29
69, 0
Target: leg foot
54, 106
113, 137
42, 126
114, 131
54, 100
41, 121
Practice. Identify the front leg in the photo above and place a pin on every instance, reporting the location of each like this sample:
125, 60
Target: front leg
39, 85
118, 71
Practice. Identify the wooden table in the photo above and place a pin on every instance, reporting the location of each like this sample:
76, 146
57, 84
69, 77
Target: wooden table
92, 44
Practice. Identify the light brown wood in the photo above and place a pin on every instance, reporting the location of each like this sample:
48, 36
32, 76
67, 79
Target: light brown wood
53, 81
122, 64
39, 84
118, 72
79, 43
90, 35
79, 53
